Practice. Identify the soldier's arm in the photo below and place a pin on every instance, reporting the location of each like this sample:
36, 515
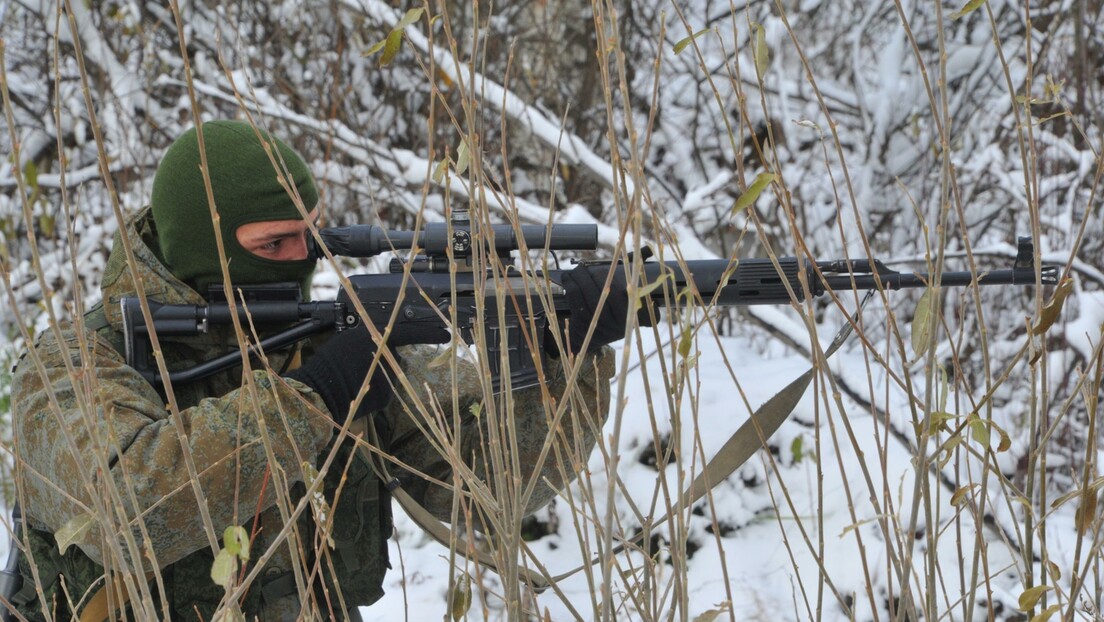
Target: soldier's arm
107, 409
550, 443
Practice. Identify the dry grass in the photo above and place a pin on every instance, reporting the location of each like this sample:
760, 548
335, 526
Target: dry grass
933, 546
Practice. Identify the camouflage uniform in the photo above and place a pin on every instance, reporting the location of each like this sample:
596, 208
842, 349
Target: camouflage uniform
107, 405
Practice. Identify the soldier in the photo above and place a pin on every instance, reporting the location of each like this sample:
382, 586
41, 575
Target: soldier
105, 465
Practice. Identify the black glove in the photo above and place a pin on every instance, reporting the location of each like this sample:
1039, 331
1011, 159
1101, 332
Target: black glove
338, 367
583, 288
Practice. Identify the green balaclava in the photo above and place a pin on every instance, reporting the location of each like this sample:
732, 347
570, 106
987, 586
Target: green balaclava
246, 189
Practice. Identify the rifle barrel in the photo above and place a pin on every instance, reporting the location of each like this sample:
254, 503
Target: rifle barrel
902, 280
757, 281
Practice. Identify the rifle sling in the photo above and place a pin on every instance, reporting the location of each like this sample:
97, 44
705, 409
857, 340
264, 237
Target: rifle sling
741, 446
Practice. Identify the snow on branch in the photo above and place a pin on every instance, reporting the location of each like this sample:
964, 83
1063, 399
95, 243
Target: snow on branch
122, 82
571, 148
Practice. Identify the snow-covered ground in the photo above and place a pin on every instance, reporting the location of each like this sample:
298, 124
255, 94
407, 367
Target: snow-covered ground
761, 564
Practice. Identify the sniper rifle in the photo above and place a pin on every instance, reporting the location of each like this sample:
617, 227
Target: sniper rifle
439, 285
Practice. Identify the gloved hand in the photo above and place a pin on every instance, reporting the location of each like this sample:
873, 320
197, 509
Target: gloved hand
583, 288
337, 369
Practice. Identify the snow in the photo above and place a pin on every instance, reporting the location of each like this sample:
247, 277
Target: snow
1086, 332
757, 572
882, 181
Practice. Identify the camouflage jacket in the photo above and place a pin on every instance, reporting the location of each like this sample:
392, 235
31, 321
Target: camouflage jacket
103, 464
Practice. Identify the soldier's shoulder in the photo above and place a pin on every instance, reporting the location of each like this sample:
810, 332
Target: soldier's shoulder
52, 344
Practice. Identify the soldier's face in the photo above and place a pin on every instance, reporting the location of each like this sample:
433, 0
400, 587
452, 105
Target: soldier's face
281, 240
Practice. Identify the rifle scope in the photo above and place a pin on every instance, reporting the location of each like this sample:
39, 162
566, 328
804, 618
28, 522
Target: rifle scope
435, 239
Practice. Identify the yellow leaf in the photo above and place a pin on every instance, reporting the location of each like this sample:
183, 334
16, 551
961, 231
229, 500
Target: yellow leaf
1053, 308
376, 47
711, 615
236, 540
230, 541
944, 389
1005, 442
960, 496
921, 324
756, 188
979, 430
1064, 498
1045, 615
646, 291
440, 170
683, 43
1028, 508
391, 47
953, 442
948, 453
762, 54
309, 474
462, 157
461, 598
46, 224
1054, 89
224, 568
446, 355
1031, 595
938, 421
968, 8
411, 16
1054, 571
853, 526
686, 341
72, 531
30, 173
443, 79
1085, 515
797, 448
